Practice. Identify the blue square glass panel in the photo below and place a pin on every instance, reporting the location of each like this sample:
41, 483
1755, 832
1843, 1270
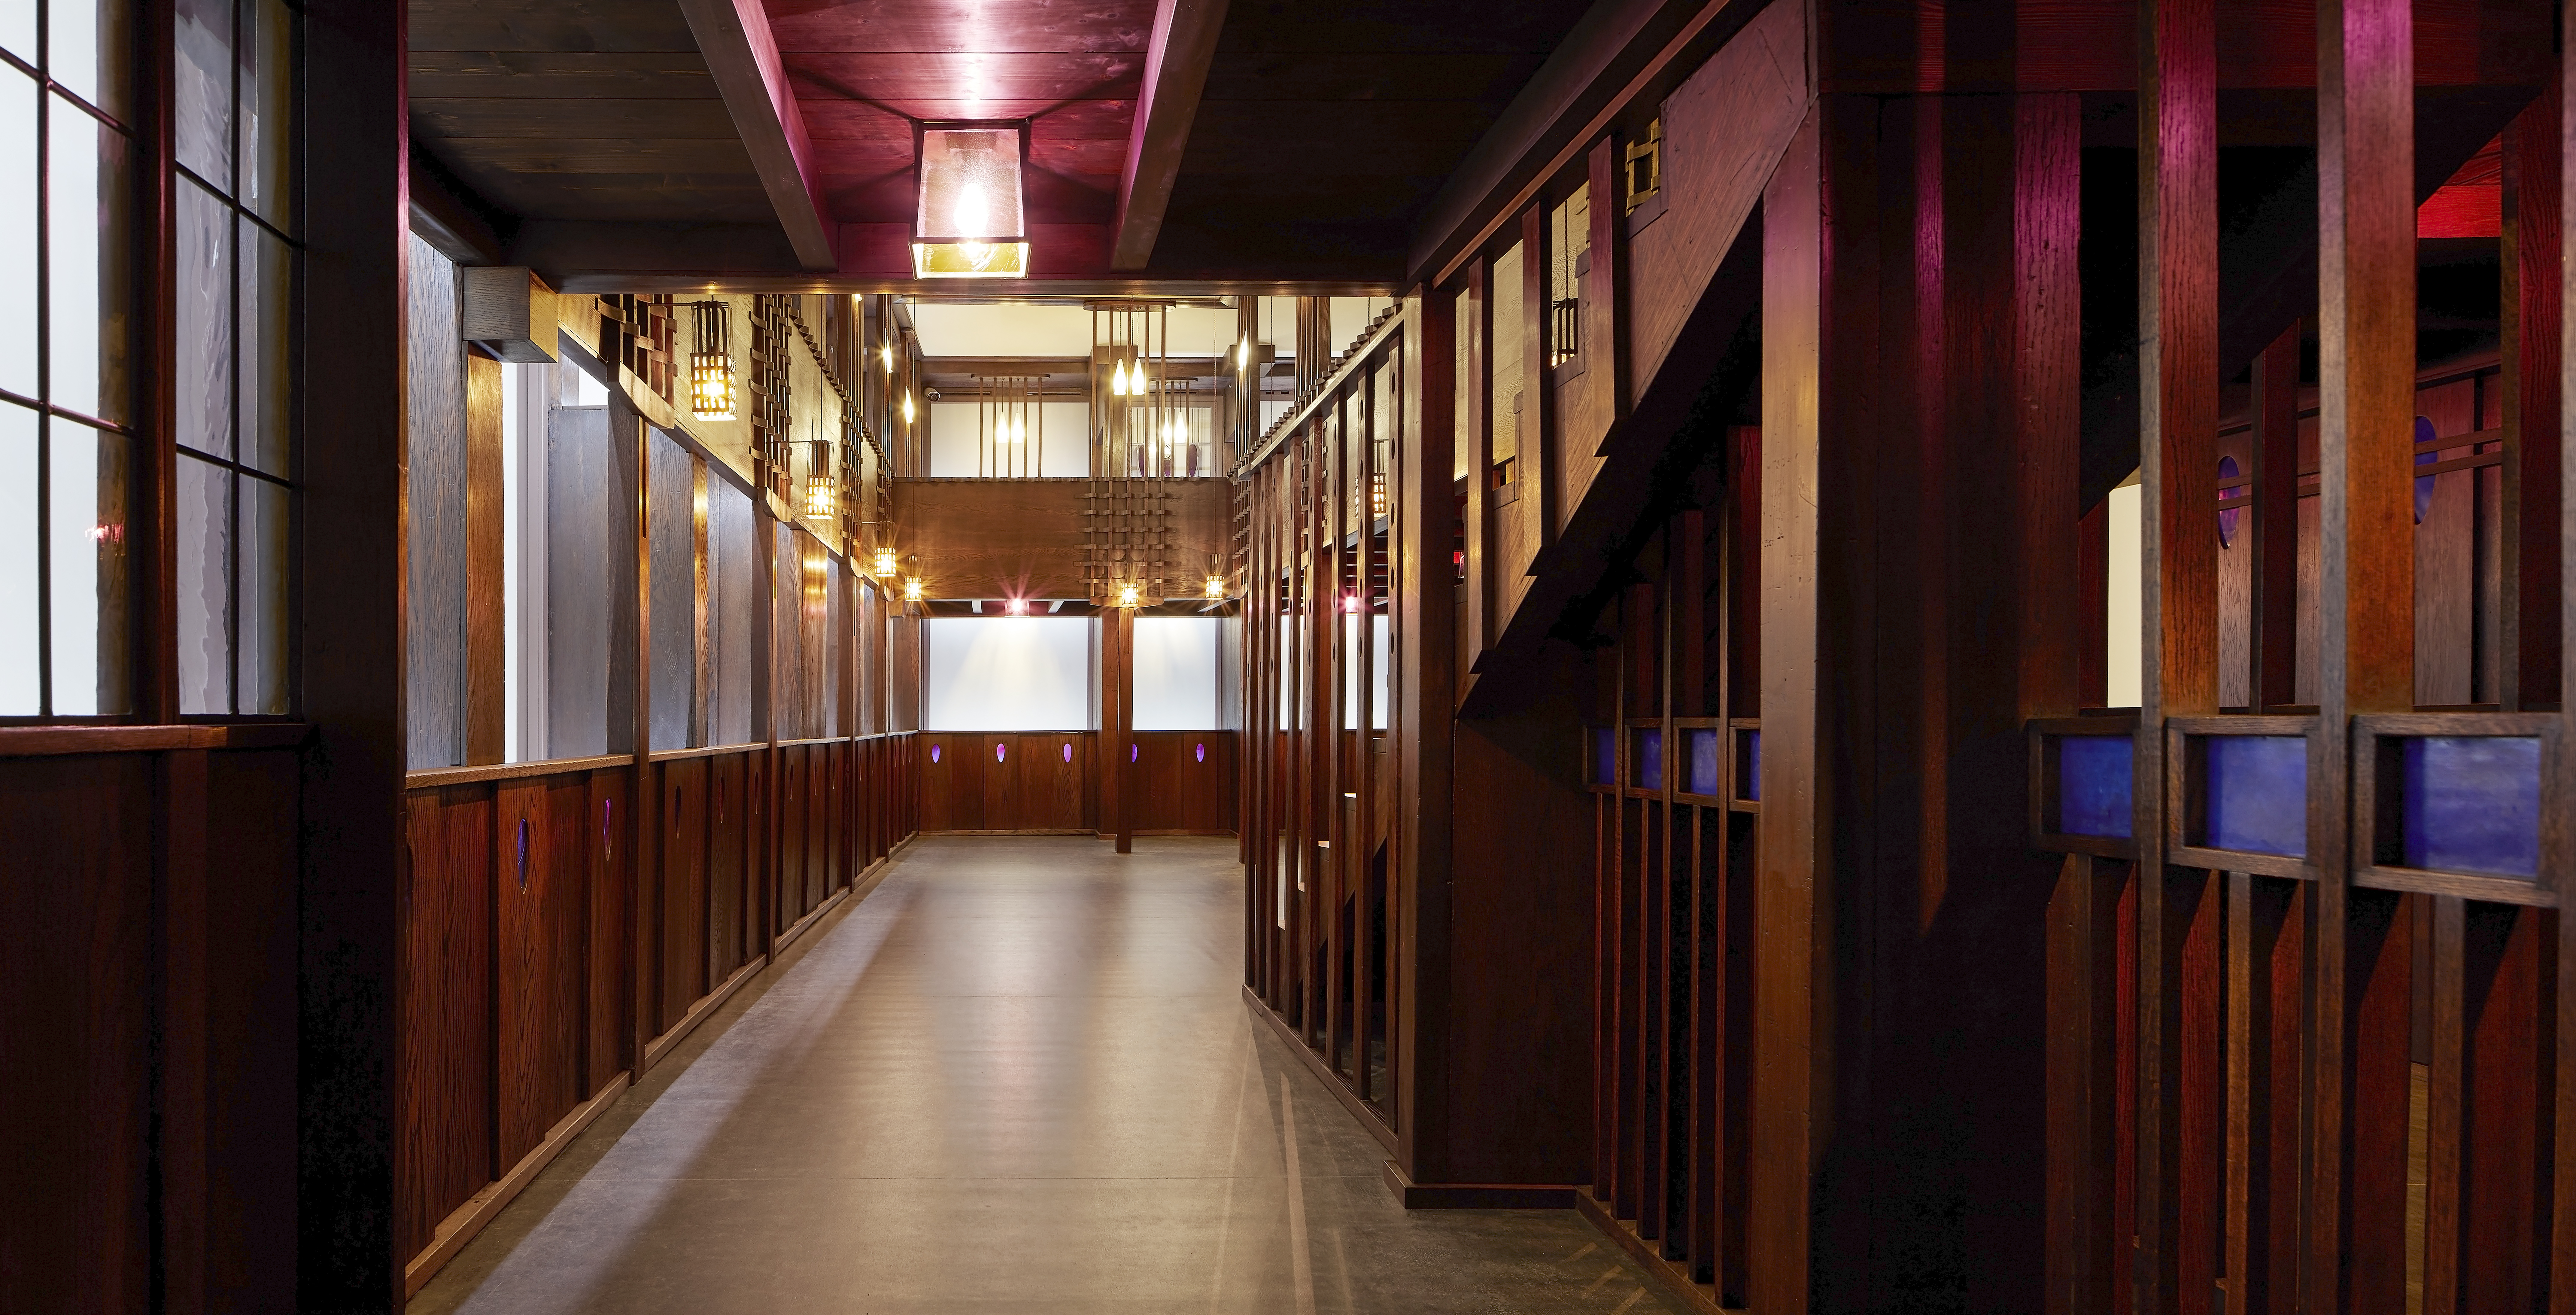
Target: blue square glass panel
1702, 746
2473, 803
1650, 760
1605, 756
1749, 786
2093, 775
2257, 794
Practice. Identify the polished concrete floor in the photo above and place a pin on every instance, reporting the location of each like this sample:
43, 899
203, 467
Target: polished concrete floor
1019, 1076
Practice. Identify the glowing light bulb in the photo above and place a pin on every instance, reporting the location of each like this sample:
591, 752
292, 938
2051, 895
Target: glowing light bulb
885, 563
1019, 607
1215, 587
885, 353
1129, 595
907, 408
1243, 353
912, 591
971, 211
1118, 380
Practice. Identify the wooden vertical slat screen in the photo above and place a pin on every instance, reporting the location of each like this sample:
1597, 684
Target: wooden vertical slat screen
1325, 889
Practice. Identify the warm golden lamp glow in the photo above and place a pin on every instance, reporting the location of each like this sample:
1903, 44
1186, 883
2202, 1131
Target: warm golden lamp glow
711, 363
912, 591
885, 564
1130, 596
1215, 587
822, 497
970, 223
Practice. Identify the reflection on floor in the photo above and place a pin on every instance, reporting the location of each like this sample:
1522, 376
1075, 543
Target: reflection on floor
1018, 1077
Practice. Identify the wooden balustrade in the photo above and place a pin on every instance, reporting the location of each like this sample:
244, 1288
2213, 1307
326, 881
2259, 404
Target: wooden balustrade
563, 930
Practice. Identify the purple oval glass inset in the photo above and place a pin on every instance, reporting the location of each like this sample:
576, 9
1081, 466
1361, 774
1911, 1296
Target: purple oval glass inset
999, 748
934, 753
1131, 753
2424, 483
1202, 753
2227, 498
1068, 751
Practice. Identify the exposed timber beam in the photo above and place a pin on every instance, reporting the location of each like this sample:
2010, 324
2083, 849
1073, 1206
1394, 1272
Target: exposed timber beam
734, 37
1176, 69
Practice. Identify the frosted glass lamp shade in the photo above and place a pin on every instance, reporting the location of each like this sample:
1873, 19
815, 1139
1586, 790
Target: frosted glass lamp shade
970, 223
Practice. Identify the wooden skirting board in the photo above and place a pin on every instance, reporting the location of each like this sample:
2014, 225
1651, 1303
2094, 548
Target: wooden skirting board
1368, 1118
1672, 1278
1475, 1196
462, 1223
707, 1004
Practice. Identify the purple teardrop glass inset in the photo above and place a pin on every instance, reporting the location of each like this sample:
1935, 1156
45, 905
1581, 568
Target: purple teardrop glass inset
998, 748
934, 753
1202, 753
1068, 751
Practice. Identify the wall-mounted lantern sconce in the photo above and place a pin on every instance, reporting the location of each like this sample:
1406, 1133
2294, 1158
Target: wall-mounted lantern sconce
1216, 588
711, 361
1131, 595
912, 591
970, 223
822, 486
884, 567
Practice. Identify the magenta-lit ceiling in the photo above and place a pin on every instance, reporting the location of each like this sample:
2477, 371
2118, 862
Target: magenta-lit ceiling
863, 71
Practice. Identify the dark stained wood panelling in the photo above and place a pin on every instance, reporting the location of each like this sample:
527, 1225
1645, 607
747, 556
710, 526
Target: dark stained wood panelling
75, 1013
996, 752
681, 924
605, 831
541, 914
445, 1151
728, 862
788, 877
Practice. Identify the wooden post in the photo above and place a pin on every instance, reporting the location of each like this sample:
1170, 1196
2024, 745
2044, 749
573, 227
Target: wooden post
1479, 420
1424, 584
2272, 532
2366, 592
2533, 314
1788, 904
2178, 427
1535, 457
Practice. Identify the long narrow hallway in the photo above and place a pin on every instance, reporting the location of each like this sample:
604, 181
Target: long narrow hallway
1019, 1075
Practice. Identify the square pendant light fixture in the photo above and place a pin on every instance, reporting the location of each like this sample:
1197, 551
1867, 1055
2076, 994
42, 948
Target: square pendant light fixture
971, 223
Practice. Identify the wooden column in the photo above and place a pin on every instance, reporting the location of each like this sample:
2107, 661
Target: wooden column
2366, 590
1117, 724
350, 655
2533, 316
1535, 458
1788, 1123
632, 440
2079, 1265
2560, 1243
2178, 429
1477, 328
2272, 531
1424, 583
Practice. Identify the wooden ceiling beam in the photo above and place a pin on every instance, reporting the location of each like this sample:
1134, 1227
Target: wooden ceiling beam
734, 37
1176, 69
